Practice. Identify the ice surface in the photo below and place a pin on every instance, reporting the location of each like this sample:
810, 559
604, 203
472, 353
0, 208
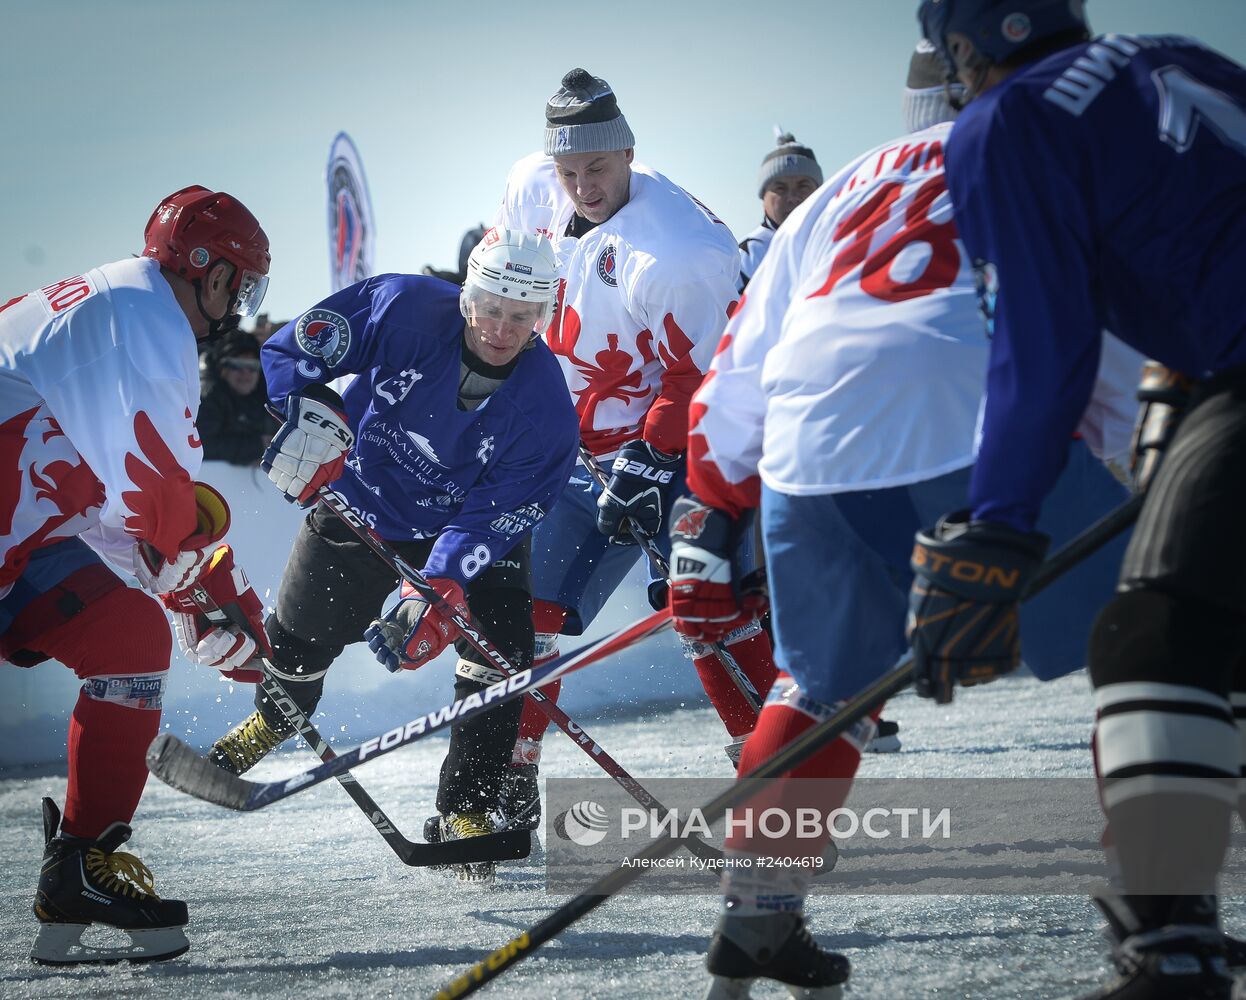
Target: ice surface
305, 900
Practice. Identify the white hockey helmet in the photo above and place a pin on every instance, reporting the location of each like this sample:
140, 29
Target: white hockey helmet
513, 266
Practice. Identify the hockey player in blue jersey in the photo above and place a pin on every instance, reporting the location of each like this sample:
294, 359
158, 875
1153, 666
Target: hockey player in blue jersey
1099, 183
454, 439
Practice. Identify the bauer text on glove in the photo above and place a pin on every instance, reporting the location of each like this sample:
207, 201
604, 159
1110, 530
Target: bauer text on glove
641, 479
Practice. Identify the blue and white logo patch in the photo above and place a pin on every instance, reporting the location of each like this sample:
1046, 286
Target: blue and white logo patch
323, 334
606, 266
485, 451
395, 388
986, 284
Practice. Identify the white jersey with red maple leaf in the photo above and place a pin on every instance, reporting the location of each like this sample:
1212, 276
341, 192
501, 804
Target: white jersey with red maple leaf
857, 357
99, 388
644, 298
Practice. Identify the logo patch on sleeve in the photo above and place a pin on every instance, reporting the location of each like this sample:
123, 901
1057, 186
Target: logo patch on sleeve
606, 266
323, 334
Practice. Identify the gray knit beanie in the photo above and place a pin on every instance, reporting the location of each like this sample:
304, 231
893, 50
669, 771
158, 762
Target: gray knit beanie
925, 93
584, 117
788, 159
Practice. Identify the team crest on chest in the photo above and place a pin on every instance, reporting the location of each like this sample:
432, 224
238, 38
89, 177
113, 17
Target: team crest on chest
323, 334
606, 266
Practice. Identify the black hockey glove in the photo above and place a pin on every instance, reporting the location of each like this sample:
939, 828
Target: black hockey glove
1165, 396
964, 604
639, 488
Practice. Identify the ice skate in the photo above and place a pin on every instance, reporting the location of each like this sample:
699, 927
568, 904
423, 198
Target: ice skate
886, 738
1172, 963
521, 799
246, 744
459, 826
772, 946
84, 882
1235, 953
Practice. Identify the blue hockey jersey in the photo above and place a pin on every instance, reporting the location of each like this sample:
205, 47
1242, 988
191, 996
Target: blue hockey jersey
421, 467
1101, 187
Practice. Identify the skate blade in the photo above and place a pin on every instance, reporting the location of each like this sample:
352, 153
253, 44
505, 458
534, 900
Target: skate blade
816, 993
722, 988
61, 944
477, 875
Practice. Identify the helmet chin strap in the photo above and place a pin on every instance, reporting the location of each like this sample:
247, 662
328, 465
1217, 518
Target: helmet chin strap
217, 328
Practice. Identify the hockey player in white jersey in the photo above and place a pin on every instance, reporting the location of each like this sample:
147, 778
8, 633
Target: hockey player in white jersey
789, 174
99, 387
844, 398
649, 280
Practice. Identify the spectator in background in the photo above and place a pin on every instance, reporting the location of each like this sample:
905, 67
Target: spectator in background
233, 423
789, 174
470, 239
265, 327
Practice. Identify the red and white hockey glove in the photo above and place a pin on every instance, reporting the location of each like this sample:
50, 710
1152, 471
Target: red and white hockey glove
706, 601
160, 575
411, 633
309, 450
219, 620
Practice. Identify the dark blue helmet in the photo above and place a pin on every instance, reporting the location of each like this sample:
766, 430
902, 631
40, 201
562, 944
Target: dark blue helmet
998, 28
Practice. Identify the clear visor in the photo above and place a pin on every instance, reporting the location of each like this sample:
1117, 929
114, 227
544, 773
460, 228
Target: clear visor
533, 315
251, 289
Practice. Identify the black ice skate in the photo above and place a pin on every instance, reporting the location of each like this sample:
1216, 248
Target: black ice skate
886, 738
773, 946
85, 882
247, 744
1184, 962
521, 798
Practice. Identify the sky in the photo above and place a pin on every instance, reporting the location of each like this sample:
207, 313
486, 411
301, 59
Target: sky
107, 107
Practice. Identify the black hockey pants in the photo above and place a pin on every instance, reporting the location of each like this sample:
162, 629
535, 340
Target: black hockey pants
334, 586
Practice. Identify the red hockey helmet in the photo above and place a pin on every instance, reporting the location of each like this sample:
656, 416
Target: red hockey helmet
193, 228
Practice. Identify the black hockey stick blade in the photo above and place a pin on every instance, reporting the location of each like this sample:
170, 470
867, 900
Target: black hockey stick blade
180, 767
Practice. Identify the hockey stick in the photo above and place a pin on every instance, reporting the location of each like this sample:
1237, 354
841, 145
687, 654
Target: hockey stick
502, 846
181, 767
483, 645
728, 662
804, 746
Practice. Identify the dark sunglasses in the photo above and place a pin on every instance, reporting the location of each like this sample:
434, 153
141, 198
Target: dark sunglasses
242, 364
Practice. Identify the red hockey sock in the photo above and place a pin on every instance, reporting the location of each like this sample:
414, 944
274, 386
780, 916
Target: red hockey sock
781, 721
756, 659
120, 646
548, 618
107, 764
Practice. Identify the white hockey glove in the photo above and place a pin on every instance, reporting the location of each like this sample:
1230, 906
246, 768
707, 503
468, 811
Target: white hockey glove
162, 576
224, 591
310, 448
